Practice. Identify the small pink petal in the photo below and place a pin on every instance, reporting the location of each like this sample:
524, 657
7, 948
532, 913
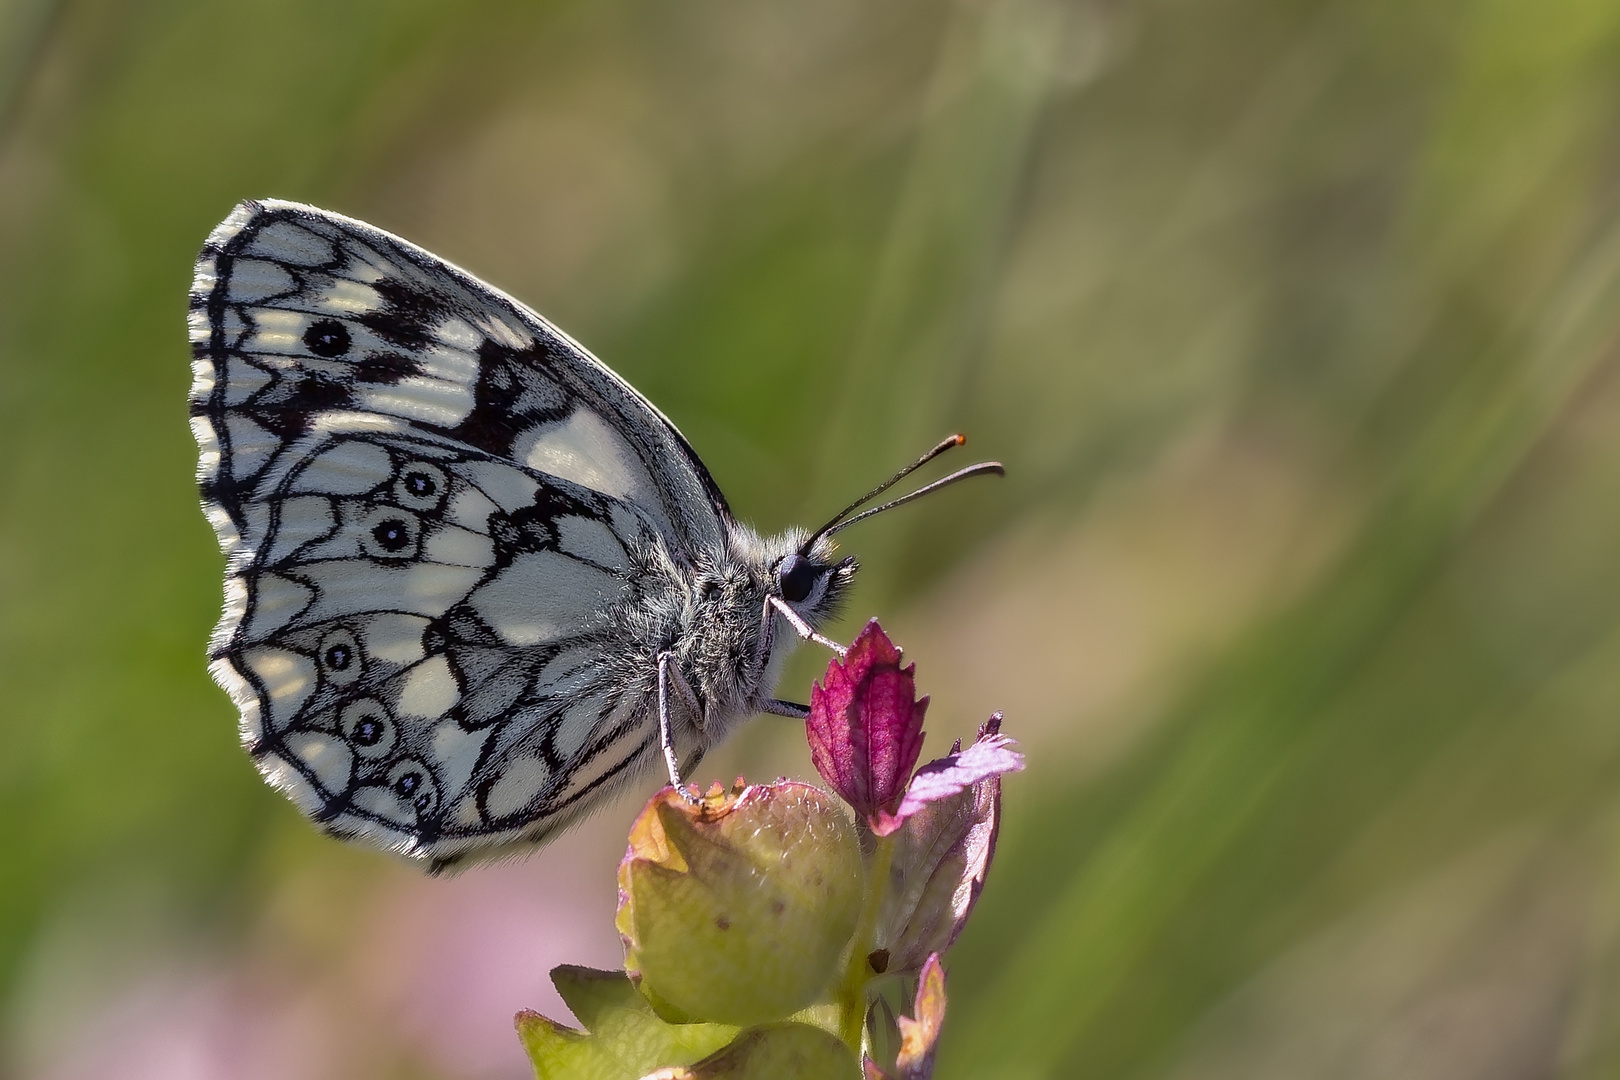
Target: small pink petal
919, 1034
990, 755
871, 1070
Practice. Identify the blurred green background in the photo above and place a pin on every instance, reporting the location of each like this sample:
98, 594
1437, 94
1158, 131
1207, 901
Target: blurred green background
1294, 322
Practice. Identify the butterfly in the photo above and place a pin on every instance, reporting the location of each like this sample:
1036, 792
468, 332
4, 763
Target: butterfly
474, 581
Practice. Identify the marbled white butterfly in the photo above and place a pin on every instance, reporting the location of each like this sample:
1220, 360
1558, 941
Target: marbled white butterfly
474, 580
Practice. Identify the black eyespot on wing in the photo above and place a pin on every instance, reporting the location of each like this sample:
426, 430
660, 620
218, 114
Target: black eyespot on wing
392, 535
368, 727
421, 487
388, 532
327, 338
412, 782
795, 578
340, 658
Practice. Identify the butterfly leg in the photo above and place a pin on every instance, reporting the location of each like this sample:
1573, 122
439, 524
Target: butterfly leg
805, 630
776, 706
666, 729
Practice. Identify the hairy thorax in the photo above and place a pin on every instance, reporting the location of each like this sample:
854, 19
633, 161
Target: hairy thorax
720, 648
711, 615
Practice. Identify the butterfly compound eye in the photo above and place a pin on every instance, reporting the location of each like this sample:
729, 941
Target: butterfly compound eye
795, 577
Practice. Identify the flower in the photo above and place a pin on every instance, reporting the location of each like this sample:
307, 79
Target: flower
760, 924
990, 755
944, 838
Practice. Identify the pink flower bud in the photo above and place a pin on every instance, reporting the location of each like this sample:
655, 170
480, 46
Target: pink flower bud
865, 724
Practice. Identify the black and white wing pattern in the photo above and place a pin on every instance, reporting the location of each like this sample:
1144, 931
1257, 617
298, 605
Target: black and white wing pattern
438, 513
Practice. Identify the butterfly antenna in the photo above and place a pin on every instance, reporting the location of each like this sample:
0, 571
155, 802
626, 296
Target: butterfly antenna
949, 443
983, 468
838, 520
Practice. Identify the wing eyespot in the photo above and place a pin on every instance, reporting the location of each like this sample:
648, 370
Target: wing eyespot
369, 728
413, 784
327, 338
421, 486
341, 658
391, 534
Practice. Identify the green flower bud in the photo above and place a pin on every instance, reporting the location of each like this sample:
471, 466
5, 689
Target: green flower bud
738, 909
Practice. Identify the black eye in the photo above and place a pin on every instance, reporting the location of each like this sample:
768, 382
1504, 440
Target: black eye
368, 732
391, 535
327, 338
338, 657
795, 577
420, 484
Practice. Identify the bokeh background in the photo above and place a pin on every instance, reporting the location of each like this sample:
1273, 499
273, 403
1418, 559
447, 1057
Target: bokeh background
1296, 324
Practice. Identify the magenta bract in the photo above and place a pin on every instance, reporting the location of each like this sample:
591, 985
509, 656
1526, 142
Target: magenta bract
865, 724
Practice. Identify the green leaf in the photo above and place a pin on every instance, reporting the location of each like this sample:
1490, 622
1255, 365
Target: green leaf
785, 1051
626, 1039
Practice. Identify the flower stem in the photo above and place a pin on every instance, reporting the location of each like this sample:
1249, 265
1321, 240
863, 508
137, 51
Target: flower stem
852, 993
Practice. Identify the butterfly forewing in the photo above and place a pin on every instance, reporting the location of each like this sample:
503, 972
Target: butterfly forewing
437, 512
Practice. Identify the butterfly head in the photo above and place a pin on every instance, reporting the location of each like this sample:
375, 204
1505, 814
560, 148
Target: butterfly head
807, 577
811, 580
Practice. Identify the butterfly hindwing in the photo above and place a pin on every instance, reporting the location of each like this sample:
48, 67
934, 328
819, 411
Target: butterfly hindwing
420, 659
435, 509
